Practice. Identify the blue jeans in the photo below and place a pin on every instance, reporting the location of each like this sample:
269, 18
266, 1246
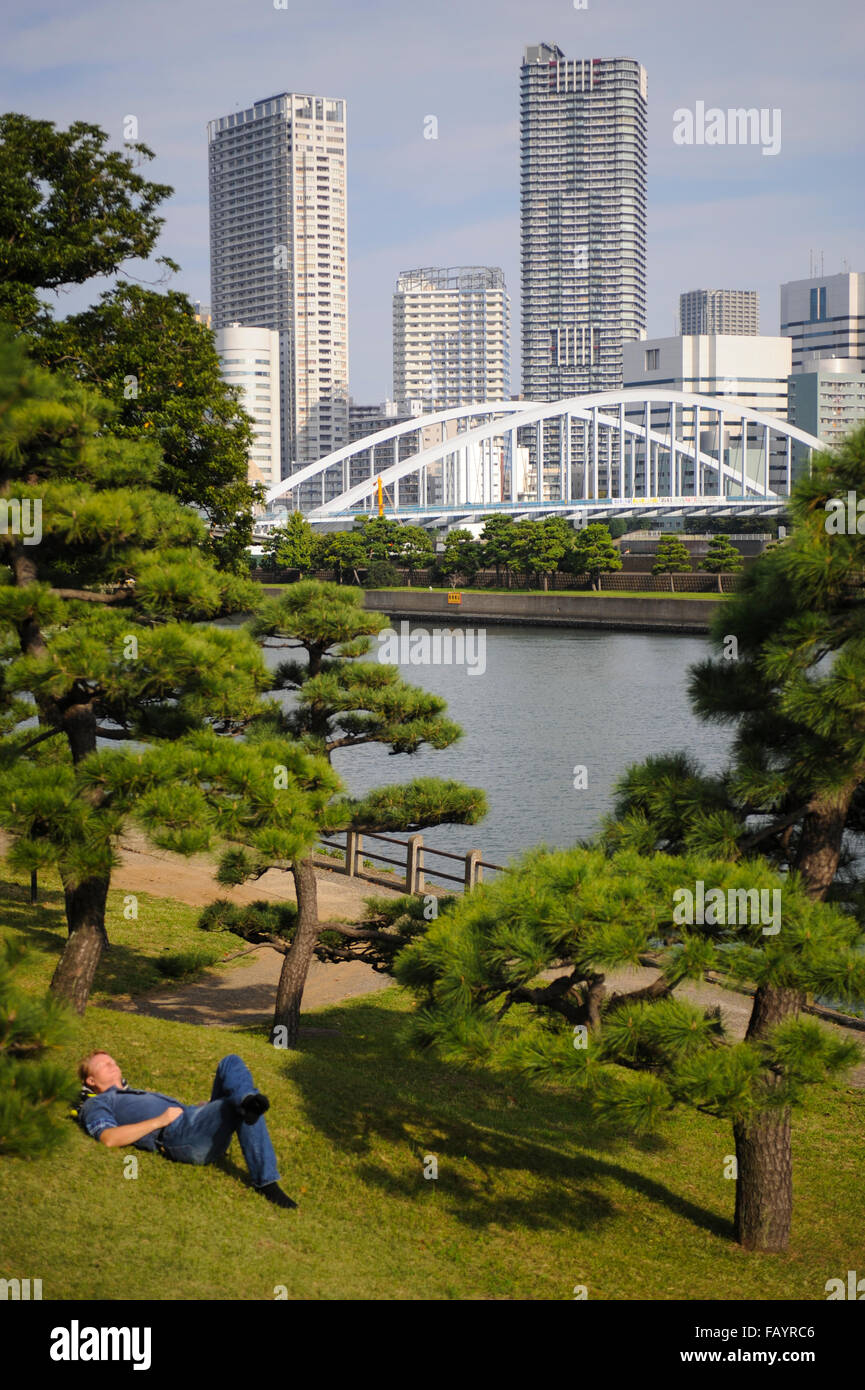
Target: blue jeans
203, 1133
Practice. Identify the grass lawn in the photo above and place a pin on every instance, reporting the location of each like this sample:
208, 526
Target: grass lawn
532, 1196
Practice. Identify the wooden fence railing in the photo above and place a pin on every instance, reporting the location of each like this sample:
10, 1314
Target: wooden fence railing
412, 862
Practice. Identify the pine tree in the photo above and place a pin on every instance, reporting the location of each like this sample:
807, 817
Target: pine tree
385, 928
342, 551
672, 557
102, 606
497, 543
343, 702
788, 678
583, 912
292, 546
33, 1087
593, 553
462, 554
539, 546
722, 557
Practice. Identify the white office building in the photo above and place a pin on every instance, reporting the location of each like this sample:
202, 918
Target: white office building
750, 370
249, 359
824, 317
279, 257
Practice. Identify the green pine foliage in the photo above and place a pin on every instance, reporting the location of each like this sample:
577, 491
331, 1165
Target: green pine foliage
343, 701
786, 677
105, 637
672, 556
292, 546
481, 978
593, 553
722, 557
33, 1087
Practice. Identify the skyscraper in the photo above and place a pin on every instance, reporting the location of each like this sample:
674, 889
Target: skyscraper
279, 257
583, 226
451, 336
583, 219
719, 311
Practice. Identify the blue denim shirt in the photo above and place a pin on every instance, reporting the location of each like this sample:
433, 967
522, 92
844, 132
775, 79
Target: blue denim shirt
116, 1107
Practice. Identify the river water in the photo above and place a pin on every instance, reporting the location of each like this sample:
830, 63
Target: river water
548, 700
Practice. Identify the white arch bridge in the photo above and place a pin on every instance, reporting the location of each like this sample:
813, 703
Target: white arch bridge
640, 452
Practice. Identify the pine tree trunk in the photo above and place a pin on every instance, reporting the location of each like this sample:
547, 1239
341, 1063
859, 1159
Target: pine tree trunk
85, 916
295, 965
819, 849
764, 1153
85, 904
764, 1186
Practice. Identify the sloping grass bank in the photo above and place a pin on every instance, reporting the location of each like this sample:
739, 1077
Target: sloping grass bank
531, 1198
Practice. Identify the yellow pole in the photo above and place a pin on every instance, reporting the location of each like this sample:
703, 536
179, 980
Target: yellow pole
380, 502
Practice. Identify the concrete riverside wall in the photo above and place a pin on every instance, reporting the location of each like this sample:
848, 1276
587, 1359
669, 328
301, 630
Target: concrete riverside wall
655, 613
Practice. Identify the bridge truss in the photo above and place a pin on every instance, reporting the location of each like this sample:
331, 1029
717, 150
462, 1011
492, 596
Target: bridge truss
631, 452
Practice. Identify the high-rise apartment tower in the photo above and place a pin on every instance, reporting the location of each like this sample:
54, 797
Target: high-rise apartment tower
279, 257
719, 311
583, 219
451, 336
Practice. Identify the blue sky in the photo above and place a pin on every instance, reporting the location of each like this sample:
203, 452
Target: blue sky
720, 216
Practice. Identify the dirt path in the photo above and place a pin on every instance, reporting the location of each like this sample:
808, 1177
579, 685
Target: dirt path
242, 991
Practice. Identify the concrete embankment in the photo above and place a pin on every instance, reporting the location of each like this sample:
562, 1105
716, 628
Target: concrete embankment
652, 613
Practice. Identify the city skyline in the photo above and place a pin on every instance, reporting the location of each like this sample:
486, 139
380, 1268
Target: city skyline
716, 215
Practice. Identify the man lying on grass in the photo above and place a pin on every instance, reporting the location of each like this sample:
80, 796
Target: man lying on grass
115, 1114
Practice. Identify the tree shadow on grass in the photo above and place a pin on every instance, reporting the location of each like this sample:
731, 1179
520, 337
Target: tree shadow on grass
43, 924
510, 1155
42, 928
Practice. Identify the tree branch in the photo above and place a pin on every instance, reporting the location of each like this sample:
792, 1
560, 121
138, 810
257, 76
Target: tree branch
88, 596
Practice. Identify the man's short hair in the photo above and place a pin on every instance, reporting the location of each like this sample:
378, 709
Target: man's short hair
84, 1064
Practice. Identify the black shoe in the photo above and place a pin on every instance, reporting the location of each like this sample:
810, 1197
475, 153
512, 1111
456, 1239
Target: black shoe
274, 1193
252, 1106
